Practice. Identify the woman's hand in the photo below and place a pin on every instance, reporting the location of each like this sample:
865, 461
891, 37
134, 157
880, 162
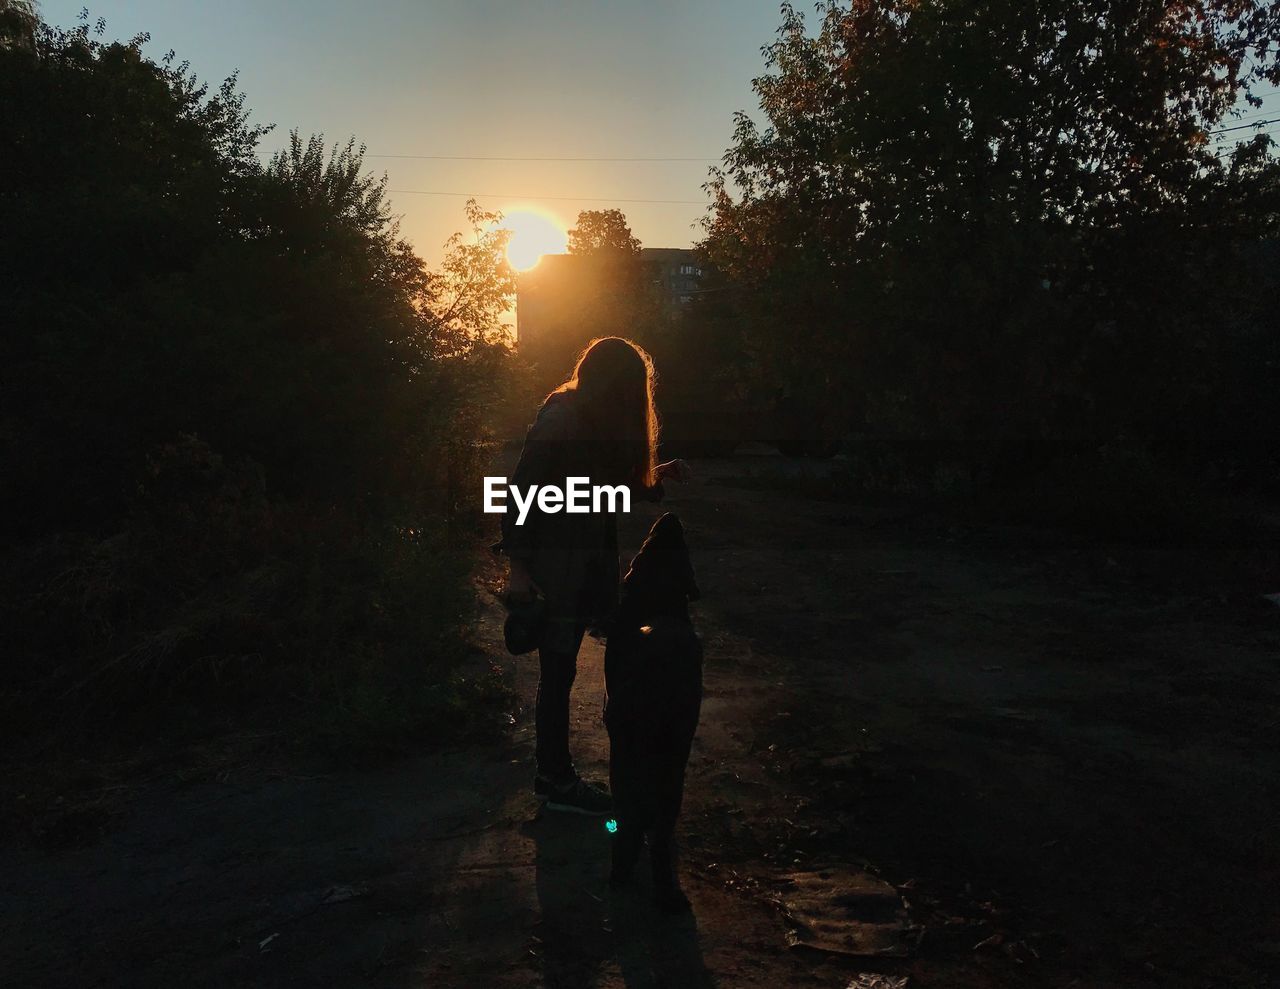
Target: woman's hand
676, 470
520, 586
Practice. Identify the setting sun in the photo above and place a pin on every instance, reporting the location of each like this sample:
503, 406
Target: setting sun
533, 234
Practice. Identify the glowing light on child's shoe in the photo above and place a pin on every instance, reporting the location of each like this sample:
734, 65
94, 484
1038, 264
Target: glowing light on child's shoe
611, 826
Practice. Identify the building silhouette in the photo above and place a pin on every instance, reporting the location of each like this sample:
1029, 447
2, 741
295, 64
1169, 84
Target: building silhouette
569, 298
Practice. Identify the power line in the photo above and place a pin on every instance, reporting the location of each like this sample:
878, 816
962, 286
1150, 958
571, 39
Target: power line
606, 159
1253, 117
1256, 123
513, 158
567, 199
1230, 152
1240, 141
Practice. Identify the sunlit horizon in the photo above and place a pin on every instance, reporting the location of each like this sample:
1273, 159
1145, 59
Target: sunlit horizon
568, 118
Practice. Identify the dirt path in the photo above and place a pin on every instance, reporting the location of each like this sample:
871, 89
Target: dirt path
1067, 756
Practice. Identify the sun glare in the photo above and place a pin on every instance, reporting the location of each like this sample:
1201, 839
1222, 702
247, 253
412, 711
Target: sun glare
532, 235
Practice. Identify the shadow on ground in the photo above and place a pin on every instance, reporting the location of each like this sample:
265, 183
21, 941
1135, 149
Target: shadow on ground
586, 927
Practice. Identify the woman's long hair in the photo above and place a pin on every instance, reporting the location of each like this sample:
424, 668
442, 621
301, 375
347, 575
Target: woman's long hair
612, 388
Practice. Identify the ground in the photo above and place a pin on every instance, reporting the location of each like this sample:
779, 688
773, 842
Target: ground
1060, 760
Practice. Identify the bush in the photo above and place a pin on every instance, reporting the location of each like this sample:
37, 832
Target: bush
244, 429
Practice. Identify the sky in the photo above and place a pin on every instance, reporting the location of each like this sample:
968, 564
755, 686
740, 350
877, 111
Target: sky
479, 78
486, 79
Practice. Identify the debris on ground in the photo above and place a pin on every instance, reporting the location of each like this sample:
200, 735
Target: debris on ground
874, 980
848, 912
1020, 951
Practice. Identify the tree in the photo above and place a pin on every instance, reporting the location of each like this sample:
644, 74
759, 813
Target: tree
476, 284
603, 231
982, 218
19, 20
247, 414
331, 201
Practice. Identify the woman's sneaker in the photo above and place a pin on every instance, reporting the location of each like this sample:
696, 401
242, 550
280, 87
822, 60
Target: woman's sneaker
576, 797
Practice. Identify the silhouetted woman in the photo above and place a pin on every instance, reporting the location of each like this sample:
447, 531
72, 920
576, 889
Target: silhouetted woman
600, 424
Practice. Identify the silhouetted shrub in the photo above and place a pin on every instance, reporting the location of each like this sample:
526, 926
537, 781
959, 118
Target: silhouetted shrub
238, 434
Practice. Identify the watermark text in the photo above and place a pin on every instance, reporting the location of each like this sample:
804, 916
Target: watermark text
578, 497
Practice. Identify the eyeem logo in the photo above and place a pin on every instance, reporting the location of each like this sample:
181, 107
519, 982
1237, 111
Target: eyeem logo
578, 497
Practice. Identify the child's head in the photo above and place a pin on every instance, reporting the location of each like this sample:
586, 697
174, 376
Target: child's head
613, 380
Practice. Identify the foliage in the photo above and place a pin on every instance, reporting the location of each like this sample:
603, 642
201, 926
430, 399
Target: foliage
245, 412
476, 282
1006, 222
704, 395
19, 20
602, 231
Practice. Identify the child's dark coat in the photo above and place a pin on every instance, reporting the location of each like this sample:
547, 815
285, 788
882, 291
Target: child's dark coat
653, 681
